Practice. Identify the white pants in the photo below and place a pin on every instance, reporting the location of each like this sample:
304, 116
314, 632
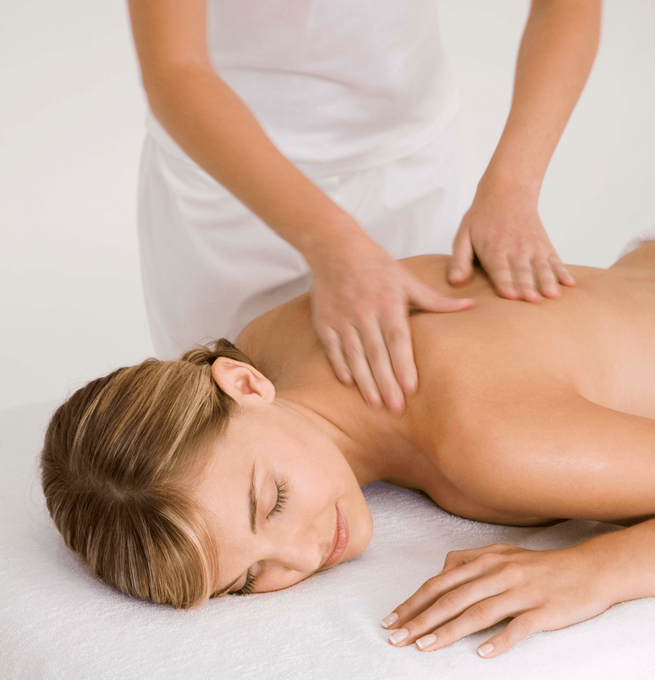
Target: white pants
209, 265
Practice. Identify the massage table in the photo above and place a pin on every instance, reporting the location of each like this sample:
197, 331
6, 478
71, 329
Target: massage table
58, 623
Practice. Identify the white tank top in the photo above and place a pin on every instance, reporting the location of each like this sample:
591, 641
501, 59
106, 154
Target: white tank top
338, 85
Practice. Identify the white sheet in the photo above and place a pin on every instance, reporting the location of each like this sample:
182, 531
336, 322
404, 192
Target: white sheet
58, 623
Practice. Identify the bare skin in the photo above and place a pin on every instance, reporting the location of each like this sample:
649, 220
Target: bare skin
525, 414
493, 372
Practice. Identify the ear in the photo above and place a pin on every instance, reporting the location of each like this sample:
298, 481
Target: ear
242, 381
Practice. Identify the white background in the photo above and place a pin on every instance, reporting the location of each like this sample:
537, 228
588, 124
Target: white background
71, 127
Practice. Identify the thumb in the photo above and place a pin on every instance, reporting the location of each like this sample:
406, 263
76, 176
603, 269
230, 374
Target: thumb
424, 297
461, 263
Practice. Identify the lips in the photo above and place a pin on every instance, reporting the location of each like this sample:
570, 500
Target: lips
339, 542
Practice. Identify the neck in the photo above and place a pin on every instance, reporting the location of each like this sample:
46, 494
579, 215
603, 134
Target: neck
375, 443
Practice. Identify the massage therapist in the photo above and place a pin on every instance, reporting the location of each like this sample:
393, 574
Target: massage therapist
308, 145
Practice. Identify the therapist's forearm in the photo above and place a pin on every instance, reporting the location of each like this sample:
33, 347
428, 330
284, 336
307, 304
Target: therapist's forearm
557, 51
219, 132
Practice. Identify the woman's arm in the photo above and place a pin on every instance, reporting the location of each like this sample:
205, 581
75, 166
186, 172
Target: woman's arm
551, 453
536, 449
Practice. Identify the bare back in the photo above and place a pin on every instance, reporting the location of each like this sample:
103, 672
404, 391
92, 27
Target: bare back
596, 341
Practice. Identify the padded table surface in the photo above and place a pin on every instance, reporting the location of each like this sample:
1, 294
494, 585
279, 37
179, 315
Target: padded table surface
56, 622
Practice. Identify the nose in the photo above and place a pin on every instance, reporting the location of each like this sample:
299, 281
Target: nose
299, 551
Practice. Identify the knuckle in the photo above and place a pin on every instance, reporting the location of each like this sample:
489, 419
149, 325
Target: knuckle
546, 272
327, 333
526, 283
497, 261
396, 334
479, 612
353, 350
520, 626
503, 640
553, 258
487, 560
452, 558
432, 586
513, 570
502, 276
451, 600
359, 309
419, 623
375, 351
522, 251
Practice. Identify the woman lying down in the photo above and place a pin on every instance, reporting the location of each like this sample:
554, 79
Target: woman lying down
237, 469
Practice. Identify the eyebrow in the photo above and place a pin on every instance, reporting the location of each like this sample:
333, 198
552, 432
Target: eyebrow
253, 522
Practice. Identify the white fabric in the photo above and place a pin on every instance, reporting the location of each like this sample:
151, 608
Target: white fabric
209, 265
56, 622
337, 85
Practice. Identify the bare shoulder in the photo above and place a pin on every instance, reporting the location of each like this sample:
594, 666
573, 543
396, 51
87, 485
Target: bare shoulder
546, 450
639, 254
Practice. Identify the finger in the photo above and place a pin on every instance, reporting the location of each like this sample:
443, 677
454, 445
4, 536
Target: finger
562, 272
481, 615
440, 584
524, 277
514, 632
545, 276
332, 345
358, 364
499, 271
423, 297
455, 558
461, 266
380, 364
397, 334
449, 614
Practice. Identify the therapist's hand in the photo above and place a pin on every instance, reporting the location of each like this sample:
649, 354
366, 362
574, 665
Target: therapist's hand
503, 228
360, 296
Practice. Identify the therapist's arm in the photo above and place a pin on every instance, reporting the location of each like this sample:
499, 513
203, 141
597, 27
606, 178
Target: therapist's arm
502, 226
360, 294
216, 129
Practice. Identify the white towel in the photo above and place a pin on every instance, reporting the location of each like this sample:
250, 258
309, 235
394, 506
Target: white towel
56, 623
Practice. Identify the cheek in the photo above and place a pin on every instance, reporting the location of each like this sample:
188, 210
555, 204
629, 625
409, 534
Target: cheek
360, 524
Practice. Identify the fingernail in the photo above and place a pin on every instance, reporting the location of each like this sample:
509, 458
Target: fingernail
392, 618
399, 635
426, 640
485, 649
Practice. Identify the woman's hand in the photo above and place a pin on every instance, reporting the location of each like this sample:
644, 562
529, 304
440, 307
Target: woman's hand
503, 228
540, 589
360, 297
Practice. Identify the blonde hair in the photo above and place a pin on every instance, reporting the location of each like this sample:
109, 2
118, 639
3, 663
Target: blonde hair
118, 462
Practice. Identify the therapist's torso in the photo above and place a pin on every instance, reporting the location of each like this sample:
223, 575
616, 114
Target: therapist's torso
337, 85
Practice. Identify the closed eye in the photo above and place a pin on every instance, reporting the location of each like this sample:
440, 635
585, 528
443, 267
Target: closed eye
281, 499
249, 585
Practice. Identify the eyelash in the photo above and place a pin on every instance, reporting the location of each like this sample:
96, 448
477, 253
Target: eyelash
249, 585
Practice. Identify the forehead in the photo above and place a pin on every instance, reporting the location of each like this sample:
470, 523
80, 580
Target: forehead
225, 476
